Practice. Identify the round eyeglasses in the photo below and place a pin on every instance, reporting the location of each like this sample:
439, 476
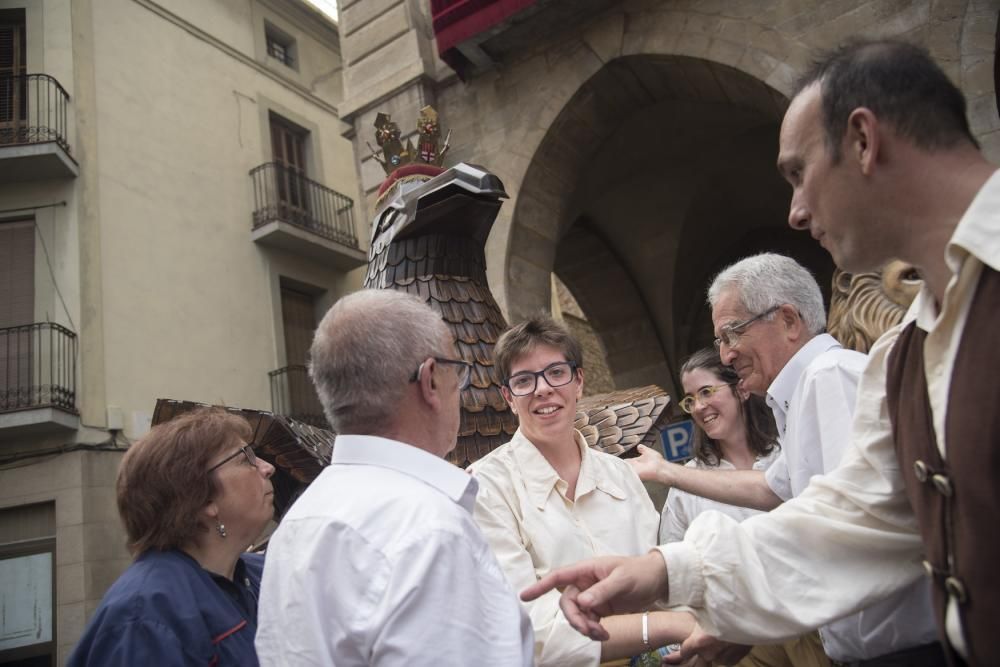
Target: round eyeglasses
689, 402
730, 333
245, 450
556, 375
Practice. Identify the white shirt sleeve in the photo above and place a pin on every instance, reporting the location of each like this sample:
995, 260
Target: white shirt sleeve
847, 541
777, 477
674, 519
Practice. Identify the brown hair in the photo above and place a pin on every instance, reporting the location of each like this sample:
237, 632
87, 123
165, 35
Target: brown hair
163, 482
762, 435
521, 339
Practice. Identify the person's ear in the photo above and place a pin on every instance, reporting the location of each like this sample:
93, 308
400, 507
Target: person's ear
579, 384
210, 512
863, 139
792, 321
742, 392
427, 384
507, 396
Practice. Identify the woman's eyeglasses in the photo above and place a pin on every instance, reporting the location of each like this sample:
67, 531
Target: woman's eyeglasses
245, 450
688, 402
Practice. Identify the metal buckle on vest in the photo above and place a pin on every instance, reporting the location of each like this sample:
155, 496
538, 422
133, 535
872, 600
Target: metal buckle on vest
956, 589
942, 484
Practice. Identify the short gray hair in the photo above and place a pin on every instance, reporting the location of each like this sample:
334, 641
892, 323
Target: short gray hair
364, 353
767, 280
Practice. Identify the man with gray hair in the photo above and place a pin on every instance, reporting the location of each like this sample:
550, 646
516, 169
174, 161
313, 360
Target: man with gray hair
768, 312
380, 561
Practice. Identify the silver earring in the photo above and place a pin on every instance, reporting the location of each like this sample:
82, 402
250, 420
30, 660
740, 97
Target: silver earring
221, 527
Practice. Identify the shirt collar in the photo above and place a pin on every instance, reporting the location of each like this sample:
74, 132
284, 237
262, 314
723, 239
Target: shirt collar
540, 478
779, 394
372, 450
976, 234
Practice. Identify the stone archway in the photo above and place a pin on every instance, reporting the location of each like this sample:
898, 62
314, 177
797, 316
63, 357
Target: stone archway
657, 172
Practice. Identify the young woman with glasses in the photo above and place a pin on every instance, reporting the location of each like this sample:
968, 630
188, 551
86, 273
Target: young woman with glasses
546, 499
193, 496
734, 430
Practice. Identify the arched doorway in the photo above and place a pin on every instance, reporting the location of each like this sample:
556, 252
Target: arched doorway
657, 173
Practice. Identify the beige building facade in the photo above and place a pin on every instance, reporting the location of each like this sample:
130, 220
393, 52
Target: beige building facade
637, 138
177, 208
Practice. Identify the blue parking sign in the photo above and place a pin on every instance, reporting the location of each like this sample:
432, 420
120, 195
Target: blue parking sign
677, 439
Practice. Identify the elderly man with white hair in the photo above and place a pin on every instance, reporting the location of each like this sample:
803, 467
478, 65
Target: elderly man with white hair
769, 315
380, 561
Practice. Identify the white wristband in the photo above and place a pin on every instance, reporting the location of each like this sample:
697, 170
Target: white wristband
645, 628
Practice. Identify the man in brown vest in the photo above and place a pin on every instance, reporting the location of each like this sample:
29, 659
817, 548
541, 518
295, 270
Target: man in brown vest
883, 165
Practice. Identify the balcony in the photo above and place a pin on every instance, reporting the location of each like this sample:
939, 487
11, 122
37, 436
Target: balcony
37, 379
294, 213
34, 141
293, 395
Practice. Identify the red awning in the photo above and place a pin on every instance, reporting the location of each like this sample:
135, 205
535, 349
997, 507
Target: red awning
457, 21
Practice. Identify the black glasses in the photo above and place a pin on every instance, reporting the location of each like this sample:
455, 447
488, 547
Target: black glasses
463, 368
558, 374
688, 402
245, 450
730, 333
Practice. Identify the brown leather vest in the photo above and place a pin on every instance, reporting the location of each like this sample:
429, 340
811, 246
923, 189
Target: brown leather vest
956, 500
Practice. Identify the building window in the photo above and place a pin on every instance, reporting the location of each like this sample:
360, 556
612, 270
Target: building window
13, 97
288, 146
27, 585
280, 45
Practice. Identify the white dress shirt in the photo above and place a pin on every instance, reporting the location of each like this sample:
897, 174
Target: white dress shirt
851, 538
682, 507
533, 528
813, 400
381, 563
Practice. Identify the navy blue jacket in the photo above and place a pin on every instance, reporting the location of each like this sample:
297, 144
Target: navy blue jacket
166, 610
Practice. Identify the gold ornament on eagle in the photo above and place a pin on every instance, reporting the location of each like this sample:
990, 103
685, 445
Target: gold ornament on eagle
393, 154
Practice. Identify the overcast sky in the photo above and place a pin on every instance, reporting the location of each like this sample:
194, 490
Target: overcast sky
328, 7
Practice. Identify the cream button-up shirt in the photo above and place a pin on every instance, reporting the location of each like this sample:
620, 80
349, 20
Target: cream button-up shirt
851, 538
533, 528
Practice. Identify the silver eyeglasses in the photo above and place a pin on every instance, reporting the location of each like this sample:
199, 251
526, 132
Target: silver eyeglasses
245, 450
462, 368
558, 374
730, 333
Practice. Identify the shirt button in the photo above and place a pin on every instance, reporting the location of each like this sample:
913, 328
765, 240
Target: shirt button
920, 470
942, 484
928, 568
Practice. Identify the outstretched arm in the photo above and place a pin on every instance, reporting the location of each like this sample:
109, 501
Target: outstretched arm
745, 488
662, 628
604, 587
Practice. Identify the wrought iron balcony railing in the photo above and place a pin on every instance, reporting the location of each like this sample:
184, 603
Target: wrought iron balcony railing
293, 395
33, 110
285, 195
37, 367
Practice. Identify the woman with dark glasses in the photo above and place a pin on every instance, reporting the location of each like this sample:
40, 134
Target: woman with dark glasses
193, 496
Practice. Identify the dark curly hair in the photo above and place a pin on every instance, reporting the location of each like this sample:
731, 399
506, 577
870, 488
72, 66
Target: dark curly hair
762, 435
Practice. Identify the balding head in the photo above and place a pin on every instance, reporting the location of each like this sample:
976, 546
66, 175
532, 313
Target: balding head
366, 350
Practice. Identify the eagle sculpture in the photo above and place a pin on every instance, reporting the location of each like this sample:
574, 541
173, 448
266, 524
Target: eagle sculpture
428, 239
